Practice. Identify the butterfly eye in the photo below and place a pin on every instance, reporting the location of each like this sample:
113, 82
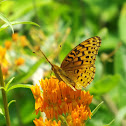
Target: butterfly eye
60, 70
52, 68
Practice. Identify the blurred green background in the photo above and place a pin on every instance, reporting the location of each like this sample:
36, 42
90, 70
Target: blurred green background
63, 25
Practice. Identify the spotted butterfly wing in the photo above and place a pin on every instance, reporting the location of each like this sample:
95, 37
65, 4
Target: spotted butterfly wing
78, 65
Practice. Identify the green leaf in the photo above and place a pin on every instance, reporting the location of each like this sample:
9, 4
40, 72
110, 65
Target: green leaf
11, 102
105, 84
7, 85
18, 22
110, 123
7, 22
122, 24
1, 112
19, 86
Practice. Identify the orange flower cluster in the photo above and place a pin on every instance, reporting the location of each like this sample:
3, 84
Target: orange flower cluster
3, 62
79, 115
40, 122
58, 98
9, 45
2, 53
15, 37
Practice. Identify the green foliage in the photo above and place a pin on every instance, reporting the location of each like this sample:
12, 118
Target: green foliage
85, 19
7, 21
105, 84
16, 22
122, 24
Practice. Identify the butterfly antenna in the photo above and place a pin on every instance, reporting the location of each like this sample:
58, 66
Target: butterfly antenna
44, 56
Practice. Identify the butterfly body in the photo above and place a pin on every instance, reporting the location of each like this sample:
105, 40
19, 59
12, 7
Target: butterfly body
62, 76
78, 67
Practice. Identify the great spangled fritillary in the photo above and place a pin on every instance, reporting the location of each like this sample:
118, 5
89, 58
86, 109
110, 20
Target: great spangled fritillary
78, 67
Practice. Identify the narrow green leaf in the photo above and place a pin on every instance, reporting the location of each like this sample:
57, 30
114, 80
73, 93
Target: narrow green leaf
95, 110
7, 85
110, 123
19, 86
11, 102
18, 22
7, 21
1, 112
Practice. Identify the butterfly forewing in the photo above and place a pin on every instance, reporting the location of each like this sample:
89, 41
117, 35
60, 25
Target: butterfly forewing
79, 63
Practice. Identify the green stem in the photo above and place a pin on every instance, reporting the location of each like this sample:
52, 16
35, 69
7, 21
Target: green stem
4, 99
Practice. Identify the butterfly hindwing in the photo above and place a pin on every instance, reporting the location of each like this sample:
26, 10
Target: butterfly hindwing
82, 76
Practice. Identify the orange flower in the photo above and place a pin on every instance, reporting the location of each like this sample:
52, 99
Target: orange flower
24, 41
15, 37
38, 98
3, 62
4, 71
19, 61
58, 98
2, 52
79, 115
7, 44
40, 122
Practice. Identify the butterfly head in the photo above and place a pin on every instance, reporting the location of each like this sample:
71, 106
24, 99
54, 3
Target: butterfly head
55, 68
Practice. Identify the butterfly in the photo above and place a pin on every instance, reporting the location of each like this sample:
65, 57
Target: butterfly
78, 67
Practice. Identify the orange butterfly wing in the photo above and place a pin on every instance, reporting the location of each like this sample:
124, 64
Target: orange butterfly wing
79, 63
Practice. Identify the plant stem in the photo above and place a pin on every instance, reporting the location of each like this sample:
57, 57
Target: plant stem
4, 99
